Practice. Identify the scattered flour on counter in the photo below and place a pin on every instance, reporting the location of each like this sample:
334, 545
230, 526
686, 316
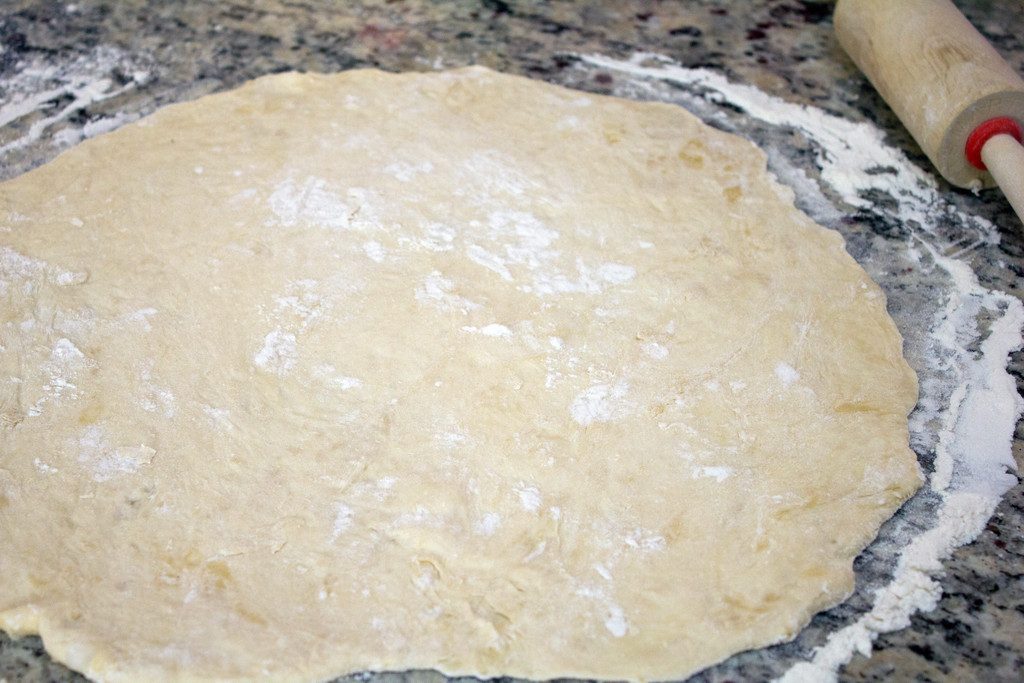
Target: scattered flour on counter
974, 468
969, 406
71, 136
59, 91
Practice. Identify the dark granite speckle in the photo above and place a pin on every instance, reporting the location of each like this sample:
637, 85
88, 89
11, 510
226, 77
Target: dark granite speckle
784, 47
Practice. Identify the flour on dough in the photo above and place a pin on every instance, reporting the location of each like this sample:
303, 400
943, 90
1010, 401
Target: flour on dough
458, 371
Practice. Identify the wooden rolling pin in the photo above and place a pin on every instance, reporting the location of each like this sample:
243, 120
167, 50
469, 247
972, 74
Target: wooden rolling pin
962, 103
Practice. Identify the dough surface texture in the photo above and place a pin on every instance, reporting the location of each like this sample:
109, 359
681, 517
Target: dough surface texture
459, 371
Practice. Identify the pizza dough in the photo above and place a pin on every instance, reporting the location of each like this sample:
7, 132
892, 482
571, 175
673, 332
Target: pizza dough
458, 371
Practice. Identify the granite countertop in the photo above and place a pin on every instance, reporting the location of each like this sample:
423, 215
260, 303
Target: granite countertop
169, 51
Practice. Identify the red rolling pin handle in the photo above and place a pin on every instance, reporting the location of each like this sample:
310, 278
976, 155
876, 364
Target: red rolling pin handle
1001, 125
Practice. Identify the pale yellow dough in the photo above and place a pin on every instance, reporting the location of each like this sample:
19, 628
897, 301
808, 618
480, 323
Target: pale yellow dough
458, 371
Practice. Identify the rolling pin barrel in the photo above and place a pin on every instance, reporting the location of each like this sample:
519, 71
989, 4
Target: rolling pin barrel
940, 76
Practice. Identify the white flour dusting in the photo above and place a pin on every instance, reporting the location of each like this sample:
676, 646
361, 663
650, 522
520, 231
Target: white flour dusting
451, 437
66, 361
495, 174
529, 497
537, 551
616, 273
519, 241
600, 403
969, 405
712, 472
787, 374
655, 351
438, 237
219, 417
44, 467
17, 266
643, 539
310, 201
155, 398
342, 520
614, 618
302, 305
492, 330
482, 257
616, 623
106, 461
374, 251
437, 290
141, 317
488, 524
330, 376
405, 172
279, 352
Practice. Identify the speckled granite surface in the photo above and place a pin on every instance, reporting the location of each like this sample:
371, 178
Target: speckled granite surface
783, 47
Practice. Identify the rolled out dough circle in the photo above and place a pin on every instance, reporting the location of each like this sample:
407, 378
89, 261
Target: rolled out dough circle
458, 371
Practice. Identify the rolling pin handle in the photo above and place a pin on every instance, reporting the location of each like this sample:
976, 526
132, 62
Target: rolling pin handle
1000, 125
1003, 155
